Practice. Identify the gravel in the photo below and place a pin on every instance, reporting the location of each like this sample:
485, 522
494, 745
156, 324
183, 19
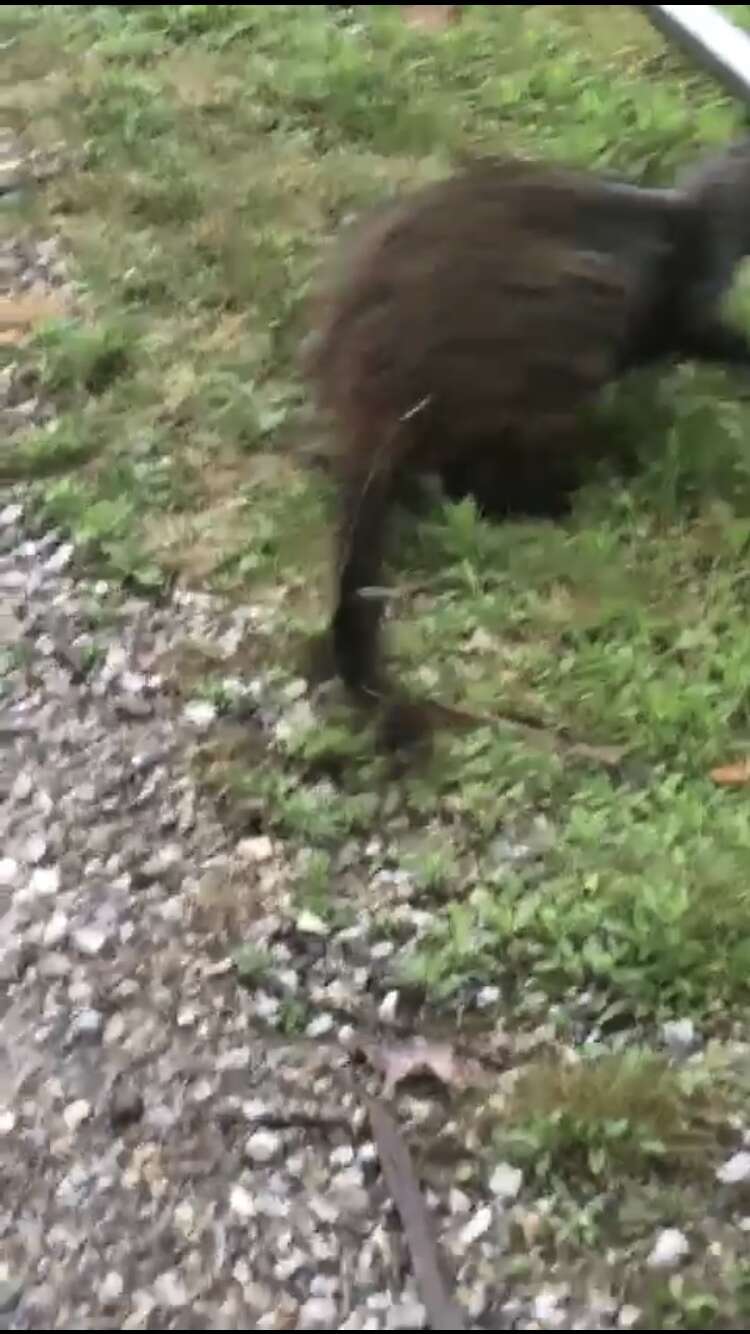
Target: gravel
141, 1185
166, 1163
170, 1159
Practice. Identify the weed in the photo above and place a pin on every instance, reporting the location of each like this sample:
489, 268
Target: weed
252, 964
76, 358
596, 1119
223, 148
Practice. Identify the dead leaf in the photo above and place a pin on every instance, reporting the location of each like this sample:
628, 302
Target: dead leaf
26, 310
732, 775
430, 18
609, 756
405, 1060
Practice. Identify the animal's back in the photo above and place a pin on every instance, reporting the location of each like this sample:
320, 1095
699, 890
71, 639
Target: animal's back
489, 304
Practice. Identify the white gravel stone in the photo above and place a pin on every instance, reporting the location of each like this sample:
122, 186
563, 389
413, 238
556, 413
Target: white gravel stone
671, 1246
87, 1024
200, 713
311, 925
242, 1202
45, 881
90, 940
35, 849
263, 1146
76, 1113
678, 1035
60, 558
8, 871
735, 1170
628, 1316
23, 787
56, 929
478, 1224
170, 1290
110, 1289
407, 1315
388, 1007
320, 1025
258, 849
548, 1307
506, 1181
318, 1313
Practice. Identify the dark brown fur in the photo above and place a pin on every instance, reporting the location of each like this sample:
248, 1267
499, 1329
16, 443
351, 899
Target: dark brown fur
466, 327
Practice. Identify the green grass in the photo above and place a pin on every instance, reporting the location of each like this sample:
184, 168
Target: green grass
223, 146
611, 1116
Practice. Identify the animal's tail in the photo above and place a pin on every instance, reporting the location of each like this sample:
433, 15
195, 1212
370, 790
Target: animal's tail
365, 501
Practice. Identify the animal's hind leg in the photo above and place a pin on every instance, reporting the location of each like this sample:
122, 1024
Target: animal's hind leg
504, 487
712, 340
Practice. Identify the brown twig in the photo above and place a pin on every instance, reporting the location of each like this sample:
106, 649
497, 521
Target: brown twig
398, 1170
533, 732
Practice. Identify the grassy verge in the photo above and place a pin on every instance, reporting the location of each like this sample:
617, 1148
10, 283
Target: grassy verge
222, 146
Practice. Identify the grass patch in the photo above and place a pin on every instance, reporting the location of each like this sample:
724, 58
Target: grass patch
612, 1116
222, 148
224, 145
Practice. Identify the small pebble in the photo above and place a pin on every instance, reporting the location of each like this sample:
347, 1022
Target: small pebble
262, 1146
170, 1290
628, 1316
258, 849
735, 1170
242, 1202
318, 1027
476, 1226
506, 1181
35, 849
670, 1247
678, 1035
8, 871
388, 1007
86, 1025
56, 929
60, 558
408, 1315
133, 682
22, 790
76, 1113
45, 881
342, 1156
89, 940
200, 713
111, 1289
311, 925
547, 1307
317, 1313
